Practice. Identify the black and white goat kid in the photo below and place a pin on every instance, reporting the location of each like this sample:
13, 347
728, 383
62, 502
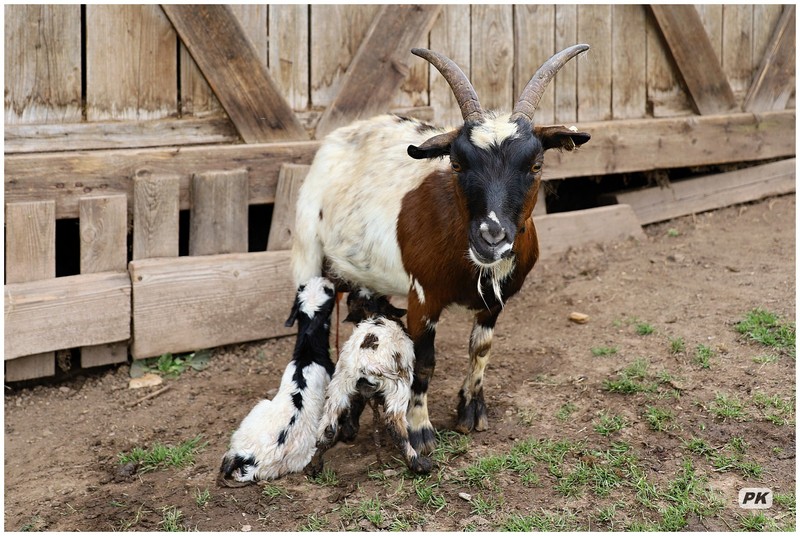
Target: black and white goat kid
278, 436
376, 364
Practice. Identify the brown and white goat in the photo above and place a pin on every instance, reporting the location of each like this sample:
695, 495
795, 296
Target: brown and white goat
382, 209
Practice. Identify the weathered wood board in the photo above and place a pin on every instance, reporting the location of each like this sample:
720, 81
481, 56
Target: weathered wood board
283, 216
448, 38
118, 135
155, 215
219, 212
42, 64
712, 191
66, 312
775, 79
492, 71
561, 231
188, 303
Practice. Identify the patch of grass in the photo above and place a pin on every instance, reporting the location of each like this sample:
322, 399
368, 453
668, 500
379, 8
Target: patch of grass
659, 419
703, 355
687, 494
630, 379
643, 328
565, 411
201, 498
426, 492
767, 329
327, 477
34, 524
449, 446
171, 519
757, 522
727, 407
765, 359
543, 522
314, 523
482, 472
602, 351
698, 446
672, 232
785, 500
486, 507
161, 456
775, 409
731, 458
272, 491
677, 345
608, 424
125, 526
526, 416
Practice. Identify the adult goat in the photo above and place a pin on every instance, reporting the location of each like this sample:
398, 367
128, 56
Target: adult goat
382, 209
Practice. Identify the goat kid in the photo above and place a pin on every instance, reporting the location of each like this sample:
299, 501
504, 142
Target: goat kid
381, 208
278, 436
376, 364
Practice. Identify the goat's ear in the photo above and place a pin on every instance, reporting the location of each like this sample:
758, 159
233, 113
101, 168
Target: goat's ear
560, 137
434, 147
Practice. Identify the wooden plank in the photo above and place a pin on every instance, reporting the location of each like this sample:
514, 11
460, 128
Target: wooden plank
594, 71
118, 135
693, 54
766, 18
566, 83
103, 233
564, 230
629, 62
534, 43
66, 177
30, 256
665, 95
282, 227
711, 17
288, 52
380, 65
30, 241
66, 312
691, 196
197, 99
188, 303
737, 47
449, 38
104, 248
42, 64
219, 213
641, 145
775, 80
493, 55
616, 147
156, 201
231, 65
336, 35
134, 74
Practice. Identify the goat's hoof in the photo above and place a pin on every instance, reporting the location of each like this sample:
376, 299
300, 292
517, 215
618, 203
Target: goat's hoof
237, 471
471, 415
423, 440
421, 465
313, 469
348, 427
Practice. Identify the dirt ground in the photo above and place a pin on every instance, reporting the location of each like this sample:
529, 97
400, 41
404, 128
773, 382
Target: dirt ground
691, 279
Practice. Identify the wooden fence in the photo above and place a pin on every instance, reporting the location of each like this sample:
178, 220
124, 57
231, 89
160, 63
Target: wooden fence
123, 116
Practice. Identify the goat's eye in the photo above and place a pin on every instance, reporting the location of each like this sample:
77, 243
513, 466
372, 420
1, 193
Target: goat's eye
536, 167
456, 166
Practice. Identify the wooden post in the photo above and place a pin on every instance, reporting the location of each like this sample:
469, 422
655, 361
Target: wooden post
155, 215
30, 256
219, 213
104, 248
282, 227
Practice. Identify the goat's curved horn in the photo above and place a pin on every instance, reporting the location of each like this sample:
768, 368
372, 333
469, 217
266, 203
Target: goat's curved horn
462, 88
532, 94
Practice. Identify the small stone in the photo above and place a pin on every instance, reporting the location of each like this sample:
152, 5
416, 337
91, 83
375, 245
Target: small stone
465, 496
389, 472
246, 528
147, 380
64, 389
578, 318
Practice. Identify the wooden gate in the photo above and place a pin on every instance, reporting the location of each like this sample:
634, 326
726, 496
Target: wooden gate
211, 109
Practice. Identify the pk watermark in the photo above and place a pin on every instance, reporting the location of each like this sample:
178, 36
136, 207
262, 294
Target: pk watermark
755, 498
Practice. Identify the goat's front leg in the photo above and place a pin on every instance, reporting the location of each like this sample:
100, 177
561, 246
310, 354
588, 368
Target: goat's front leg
471, 405
422, 329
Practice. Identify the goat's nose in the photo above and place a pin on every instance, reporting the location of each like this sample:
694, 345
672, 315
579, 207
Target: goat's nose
493, 234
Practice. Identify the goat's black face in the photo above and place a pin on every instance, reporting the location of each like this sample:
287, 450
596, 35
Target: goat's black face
498, 166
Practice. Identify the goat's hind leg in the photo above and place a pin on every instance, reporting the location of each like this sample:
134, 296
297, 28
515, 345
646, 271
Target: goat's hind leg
471, 404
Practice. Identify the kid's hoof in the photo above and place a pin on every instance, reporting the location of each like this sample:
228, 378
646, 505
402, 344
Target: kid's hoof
421, 465
423, 440
471, 415
237, 471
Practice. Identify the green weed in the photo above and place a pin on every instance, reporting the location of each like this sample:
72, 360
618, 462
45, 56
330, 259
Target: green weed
608, 424
630, 379
171, 519
677, 345
565, 411
727, 407
775, 409
201, 498
272, 491
544, 522
765, 359
602, 351
314, 523
164, 456
703, 355
785, 500
659, 419
172, 366
757, 522
449, 446
426, 492
327, 477
486, 507
767, 329
643, 328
